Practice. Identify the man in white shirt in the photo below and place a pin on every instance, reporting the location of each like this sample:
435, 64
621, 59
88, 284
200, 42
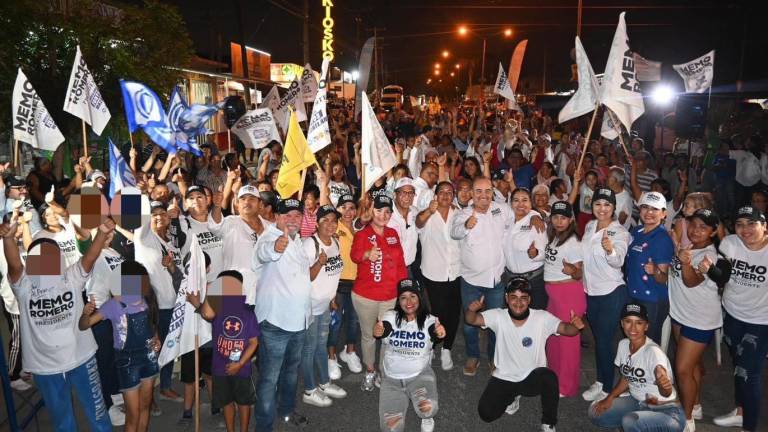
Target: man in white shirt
284, 310
521, 355
403, 220
425, 186
624, 202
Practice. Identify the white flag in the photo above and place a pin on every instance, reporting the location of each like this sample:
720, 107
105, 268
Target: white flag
609, 129
697, 74
83, 98
377, 155
647, 70
256, 128
319, 133
271, 100
184, 322
32, 123
503, 89
308, 84
291, 98
585, 98
620, 90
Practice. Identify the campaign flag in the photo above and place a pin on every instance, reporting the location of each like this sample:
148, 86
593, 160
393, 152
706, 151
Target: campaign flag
256, 128
184, 322
271, 100
364, 70
144, 109
192, 123
647, 70
516, 64
502, 84
585, 98
609, 128
120, 174
291, 98
377, 156
319, 133
32, 123
697, 74
83, 99
296, 157
620, 90
176, 107
308, 84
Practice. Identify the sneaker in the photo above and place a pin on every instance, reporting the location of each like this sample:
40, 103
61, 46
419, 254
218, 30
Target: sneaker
547, 428
698, 412
20, 385
316, 398
427, 425
294, 419
334, 370
690, 426
377, 381
368, 381
594, 392
156, 411
446, 362
732, 419
513, 407
170, 395
332, 390
352, 360
470, 367
116, 415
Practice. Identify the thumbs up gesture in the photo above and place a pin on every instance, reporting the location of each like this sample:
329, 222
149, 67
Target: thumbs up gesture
322, 258
606, 243
439, 329
576, 321
662, 380
89, 307
374, 254
477, 304
433, 205
378, 329
704, 265
532, 251
684, 255
472, 221
282, 242
650, 267
49, 196
568, 268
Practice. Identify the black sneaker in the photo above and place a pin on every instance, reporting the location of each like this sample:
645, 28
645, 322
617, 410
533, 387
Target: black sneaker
294, 419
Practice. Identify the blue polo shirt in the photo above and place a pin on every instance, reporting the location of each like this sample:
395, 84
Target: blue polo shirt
656, 245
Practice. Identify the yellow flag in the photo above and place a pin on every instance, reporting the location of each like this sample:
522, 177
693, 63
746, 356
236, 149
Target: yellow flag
296, 157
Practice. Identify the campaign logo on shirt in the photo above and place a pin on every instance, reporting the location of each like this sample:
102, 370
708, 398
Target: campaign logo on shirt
67, 246
49, 308
113, 262
527, 342
392, 240
746, 274
550, 253
496, 212
632, 373
408, 342
334, 265
208, 240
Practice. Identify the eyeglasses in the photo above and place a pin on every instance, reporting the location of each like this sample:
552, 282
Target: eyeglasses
406, 193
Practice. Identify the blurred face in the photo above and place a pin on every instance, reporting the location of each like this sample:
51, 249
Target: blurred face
750, 232
521, 204
198, 202
310, 202
464, 193
409, 303
348, 211
381, 216
641, 162
430, 157
404, 196
471, 168
515, 159
651, 216
634, 327
482, 193
699, 233
44, 260
161, 193
290, 220
445, 196
273, 179
602, 161
17, 192
541, 199
430, 175
160, 219
248, 205
546, 171
689, 207
560, 222
400, 173
759, 202
50, 218
264, 187
327, 225
215, 162
603, 210
518, 302
45, 166
337, 172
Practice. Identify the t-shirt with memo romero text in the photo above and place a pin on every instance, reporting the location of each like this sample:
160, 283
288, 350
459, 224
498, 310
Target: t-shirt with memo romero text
745, 296
639, 369
407, 349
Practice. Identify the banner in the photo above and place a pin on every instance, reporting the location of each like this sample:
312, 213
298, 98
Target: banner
296, 157
292, 98
585, 98
377, 156
256, 128
503, 89
319, 133
620, 90
697, 74
308, 84
144, 109
120, 174
271, 100
516, 64
364, 71
185, 323
609, 129
647, 70
32, 123
83, 99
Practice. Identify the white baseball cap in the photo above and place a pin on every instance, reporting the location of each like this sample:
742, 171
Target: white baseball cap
248, 190
653, 199
405, 181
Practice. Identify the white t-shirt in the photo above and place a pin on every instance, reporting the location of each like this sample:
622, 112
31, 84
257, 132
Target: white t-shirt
209, 242
239, 241
569, 251
105, 280
67, 241
746, 294
327, 281
699, 306
150, 250
50, 309
406, 230
336, 190
585, 199
602, 272
407, 350
517, 240
440, 261
520, 350
624, 204
6, 293
638, 369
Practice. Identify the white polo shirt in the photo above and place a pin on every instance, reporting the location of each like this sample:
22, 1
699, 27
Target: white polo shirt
440, 260
481, 248
602, 272
406, 229
424, 193
517, 240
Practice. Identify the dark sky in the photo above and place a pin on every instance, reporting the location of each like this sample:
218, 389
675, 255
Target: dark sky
671, 31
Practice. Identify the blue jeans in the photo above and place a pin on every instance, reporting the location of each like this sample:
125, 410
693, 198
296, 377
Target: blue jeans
632, 416
348, 319
658, 311
166, 372
748, 345
84, 380
105, 357
604, 313
279, 358
494, 298
315, 354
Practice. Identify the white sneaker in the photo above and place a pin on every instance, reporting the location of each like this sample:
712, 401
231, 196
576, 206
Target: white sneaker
732, 419
690, 426
20, 385
698, 412
427, 425
116, 415
332, 390
334, 370
547, 428
446, 362
513, 407
368, 381
316, 398
594, 392
352, 360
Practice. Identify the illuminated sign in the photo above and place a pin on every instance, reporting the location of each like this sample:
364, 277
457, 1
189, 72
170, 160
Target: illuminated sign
328, 31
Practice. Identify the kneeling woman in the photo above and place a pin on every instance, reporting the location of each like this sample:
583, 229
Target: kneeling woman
409, 332
646, 373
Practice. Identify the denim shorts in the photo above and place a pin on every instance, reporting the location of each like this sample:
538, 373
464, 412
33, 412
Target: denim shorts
134, 367
694, 334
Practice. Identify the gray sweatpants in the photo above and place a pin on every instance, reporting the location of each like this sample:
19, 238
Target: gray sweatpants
394, 396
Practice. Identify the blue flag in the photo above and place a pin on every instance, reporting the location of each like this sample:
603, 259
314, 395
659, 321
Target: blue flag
189, 121
120, 174
144, 109
176, 107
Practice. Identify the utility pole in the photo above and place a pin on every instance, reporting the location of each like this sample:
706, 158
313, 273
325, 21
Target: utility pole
243, 50
306, 31
376, 59
578, 20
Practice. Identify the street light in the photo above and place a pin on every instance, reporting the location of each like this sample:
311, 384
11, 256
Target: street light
508, 32
355, 75
446, 54
458, 66
452, 74
437, 65
462, 30
437, 72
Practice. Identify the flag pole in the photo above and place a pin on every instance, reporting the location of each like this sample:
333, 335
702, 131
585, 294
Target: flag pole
589, 134
85, 142
303, 179
16, 158
621, 134
197, 378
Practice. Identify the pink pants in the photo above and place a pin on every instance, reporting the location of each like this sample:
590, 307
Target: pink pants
564, 352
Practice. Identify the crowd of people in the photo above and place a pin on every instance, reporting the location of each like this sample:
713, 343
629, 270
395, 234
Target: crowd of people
493, 221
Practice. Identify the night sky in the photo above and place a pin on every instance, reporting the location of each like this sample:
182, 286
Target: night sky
418, 31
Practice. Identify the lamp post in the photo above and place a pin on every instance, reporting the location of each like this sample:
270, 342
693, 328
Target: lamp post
507, 32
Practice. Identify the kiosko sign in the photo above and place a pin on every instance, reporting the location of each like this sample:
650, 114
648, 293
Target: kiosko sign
328, 31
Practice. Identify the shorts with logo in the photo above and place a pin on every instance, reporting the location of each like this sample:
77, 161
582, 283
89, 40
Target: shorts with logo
694, 334
187, 374
135, 366
228, 389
